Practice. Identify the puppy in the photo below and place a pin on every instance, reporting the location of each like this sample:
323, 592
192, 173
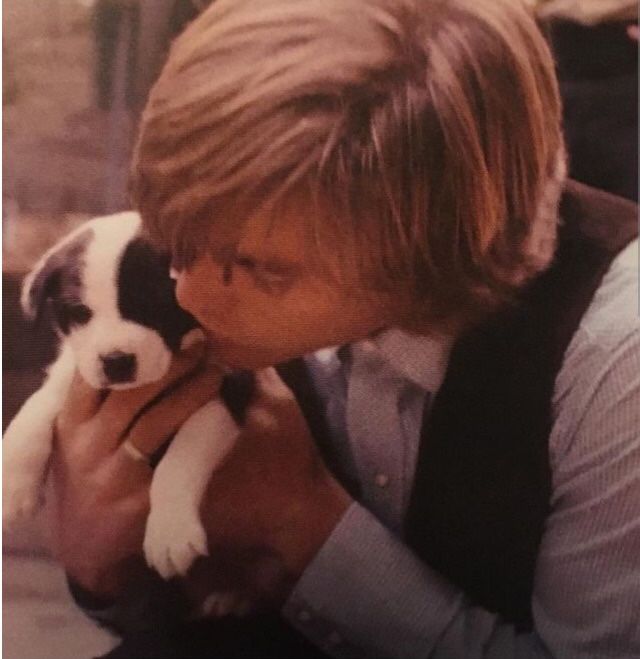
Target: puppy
114, 310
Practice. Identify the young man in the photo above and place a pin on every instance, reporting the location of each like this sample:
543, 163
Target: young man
462, 477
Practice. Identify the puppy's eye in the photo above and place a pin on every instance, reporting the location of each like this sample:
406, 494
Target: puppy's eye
79, 313
71, 313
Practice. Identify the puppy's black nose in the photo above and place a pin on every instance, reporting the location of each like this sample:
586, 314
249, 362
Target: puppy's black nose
119, 366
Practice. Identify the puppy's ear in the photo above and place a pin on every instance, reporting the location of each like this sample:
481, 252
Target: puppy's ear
40, 285
45, 280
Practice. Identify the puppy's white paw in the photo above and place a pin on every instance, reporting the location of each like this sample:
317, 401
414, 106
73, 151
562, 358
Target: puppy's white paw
225, 603
172, 541
22, 495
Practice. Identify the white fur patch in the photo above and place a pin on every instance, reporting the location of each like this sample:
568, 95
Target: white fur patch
27, 442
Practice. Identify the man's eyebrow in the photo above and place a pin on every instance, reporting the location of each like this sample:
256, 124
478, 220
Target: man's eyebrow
276, 265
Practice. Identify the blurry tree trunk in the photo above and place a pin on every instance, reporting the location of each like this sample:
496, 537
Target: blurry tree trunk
153, 44
120, 120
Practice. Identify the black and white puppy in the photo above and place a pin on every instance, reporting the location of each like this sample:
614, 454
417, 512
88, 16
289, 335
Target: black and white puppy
115, 311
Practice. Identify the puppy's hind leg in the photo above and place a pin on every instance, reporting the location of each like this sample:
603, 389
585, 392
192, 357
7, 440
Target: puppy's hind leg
26, 445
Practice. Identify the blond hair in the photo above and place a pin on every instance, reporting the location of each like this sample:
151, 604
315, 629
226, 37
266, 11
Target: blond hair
429, 129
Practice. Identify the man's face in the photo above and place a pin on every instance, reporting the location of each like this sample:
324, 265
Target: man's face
267, 306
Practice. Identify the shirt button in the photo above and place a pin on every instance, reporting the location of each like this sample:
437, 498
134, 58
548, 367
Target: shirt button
304, 616
382, 480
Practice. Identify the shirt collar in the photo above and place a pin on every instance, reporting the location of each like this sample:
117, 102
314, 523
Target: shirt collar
420, 359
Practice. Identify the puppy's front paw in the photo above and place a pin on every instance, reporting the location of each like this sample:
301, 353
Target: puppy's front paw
173, 540
21, 497
225, 603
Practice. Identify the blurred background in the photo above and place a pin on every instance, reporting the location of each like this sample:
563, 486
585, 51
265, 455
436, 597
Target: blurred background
76, 74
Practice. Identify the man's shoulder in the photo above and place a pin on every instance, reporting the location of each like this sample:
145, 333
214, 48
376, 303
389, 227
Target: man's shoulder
604, 354
613, 314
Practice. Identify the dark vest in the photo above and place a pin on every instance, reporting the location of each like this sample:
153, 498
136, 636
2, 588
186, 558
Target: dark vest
482, 485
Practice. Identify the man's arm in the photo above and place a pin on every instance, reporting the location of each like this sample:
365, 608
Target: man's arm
365, 593
100, 494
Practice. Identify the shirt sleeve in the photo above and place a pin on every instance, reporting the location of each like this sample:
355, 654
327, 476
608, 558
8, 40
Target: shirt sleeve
366, 594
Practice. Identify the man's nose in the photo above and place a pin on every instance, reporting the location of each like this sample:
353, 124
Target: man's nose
185, 292
200, 289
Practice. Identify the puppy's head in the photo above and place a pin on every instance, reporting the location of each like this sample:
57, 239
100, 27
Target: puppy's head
112, 299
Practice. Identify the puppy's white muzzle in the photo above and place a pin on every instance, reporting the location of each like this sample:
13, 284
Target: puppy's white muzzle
119, 354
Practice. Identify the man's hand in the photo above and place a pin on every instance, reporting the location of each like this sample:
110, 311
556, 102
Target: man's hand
268, 509
272, 504
100, 493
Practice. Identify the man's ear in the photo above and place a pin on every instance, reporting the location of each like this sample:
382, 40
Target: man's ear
45, 279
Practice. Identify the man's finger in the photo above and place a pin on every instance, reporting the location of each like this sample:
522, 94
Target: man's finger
270, 386
273, 405
81, 404
121, 408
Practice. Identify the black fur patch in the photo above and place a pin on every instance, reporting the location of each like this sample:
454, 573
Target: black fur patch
70, 313
60, 282
146, 293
